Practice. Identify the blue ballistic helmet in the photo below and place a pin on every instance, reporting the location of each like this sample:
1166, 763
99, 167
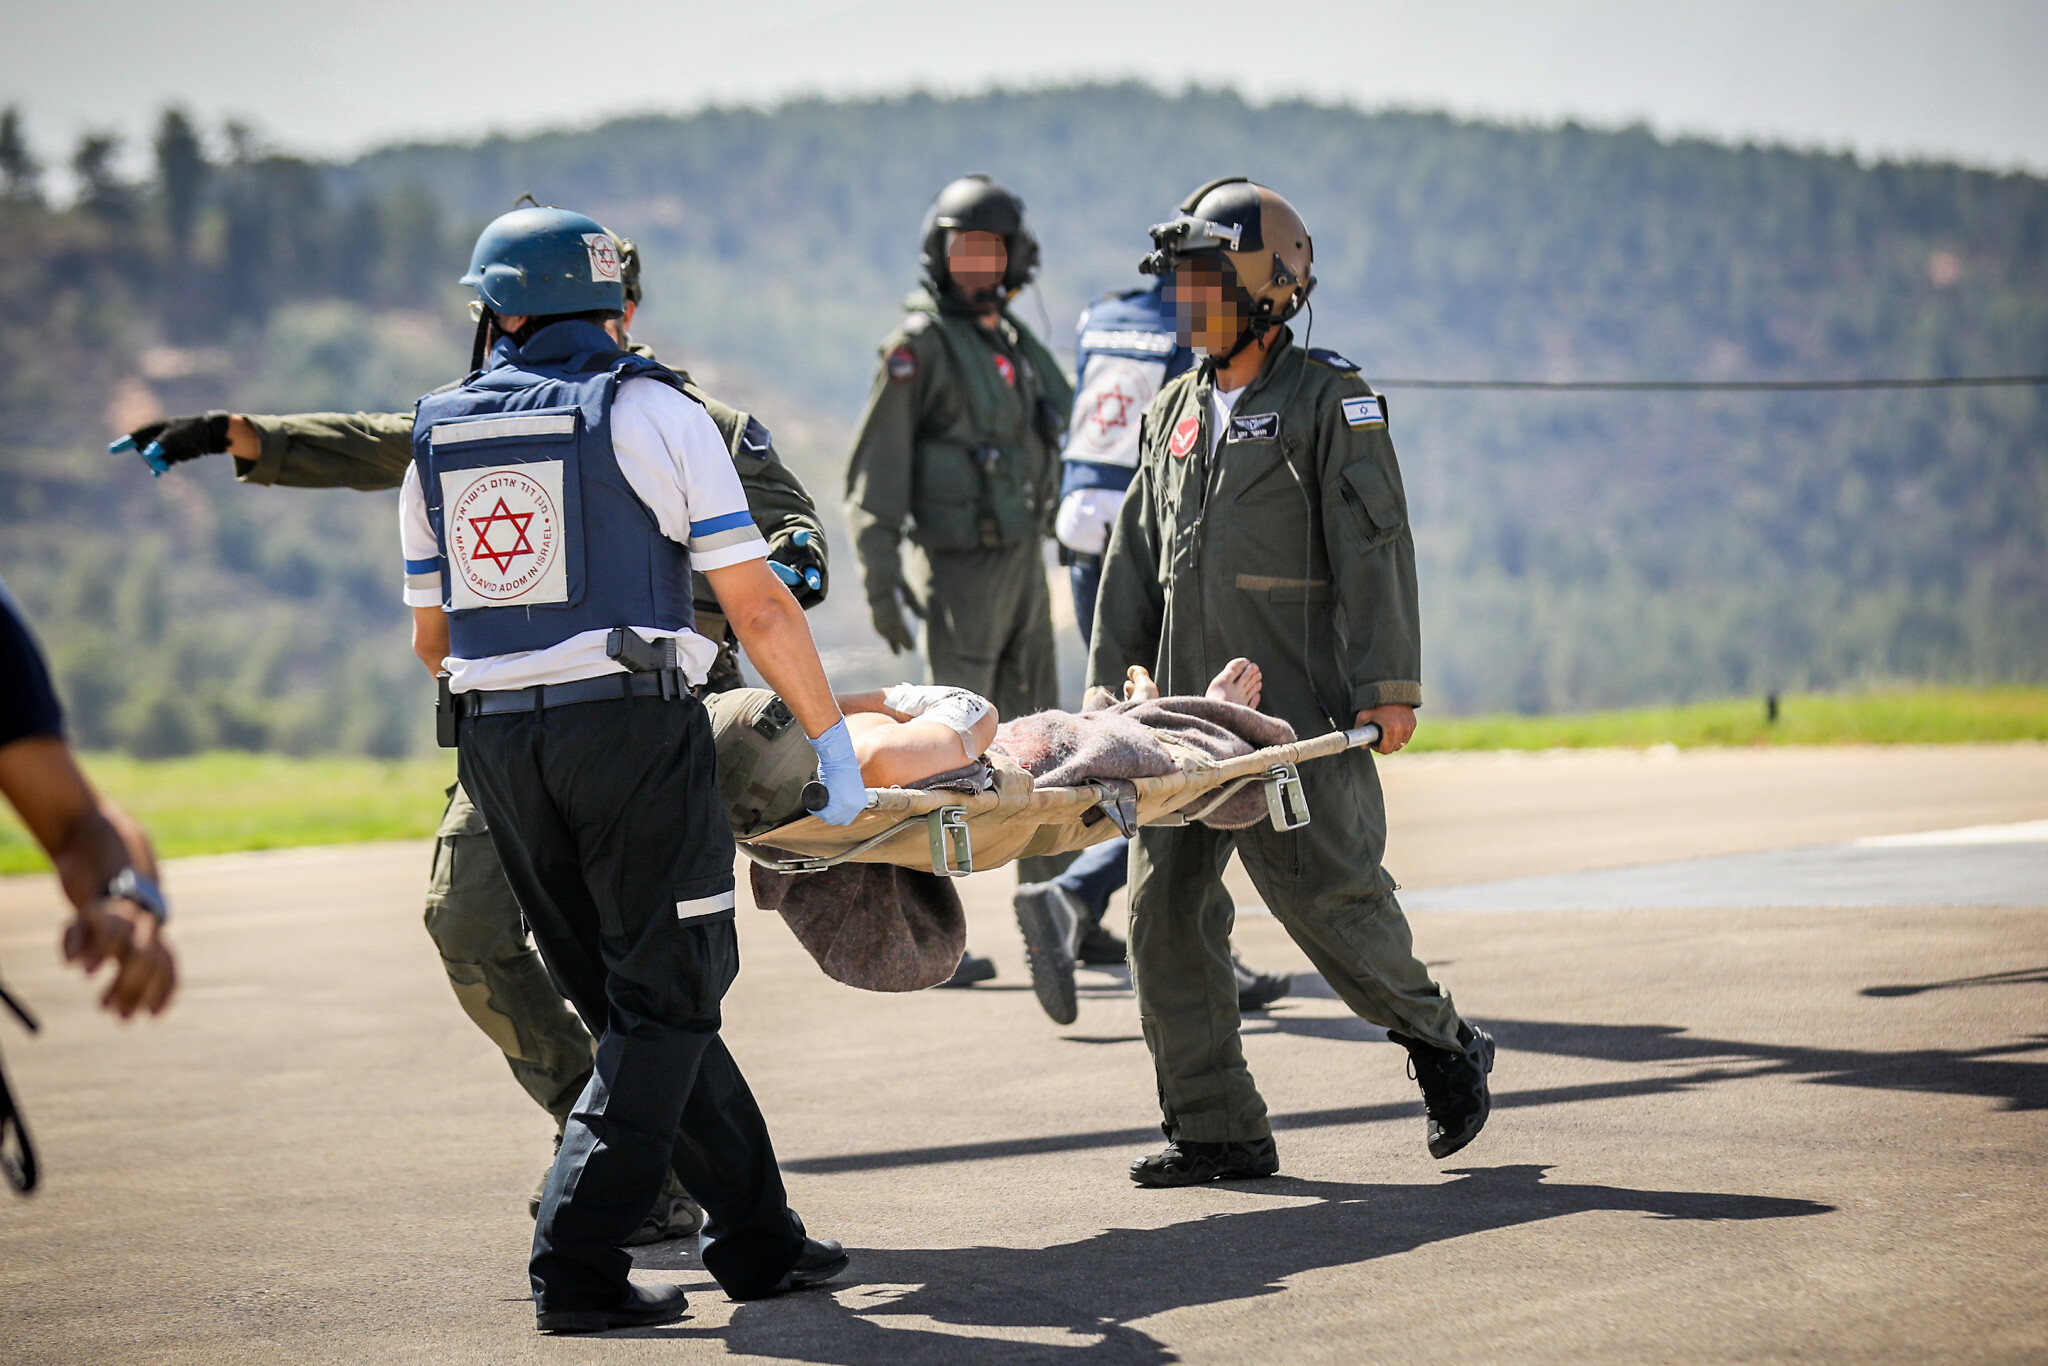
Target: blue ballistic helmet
543, 261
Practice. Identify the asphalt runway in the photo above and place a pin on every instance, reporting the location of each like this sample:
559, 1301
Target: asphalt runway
1745, 1131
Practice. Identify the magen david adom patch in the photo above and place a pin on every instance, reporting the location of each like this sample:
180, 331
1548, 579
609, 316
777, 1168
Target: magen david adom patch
505, 535
604, 257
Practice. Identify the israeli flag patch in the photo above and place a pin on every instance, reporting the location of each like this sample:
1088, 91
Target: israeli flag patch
1365, 411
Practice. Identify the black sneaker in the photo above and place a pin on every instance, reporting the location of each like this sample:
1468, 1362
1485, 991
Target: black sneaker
643, 1305
1047, 915
1182, 1163
1454, 1089
970, 971
1257, 990
1101, 949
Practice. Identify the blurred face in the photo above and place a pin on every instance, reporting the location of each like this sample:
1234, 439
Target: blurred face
1208, 307
977, 260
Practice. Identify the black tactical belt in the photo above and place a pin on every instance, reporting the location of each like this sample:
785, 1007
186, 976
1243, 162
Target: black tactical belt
604, 688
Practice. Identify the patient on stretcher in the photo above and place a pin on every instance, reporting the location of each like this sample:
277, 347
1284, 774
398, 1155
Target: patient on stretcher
911, 734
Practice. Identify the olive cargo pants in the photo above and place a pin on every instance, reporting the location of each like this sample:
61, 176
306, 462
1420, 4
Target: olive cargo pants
988, 628
1325, 885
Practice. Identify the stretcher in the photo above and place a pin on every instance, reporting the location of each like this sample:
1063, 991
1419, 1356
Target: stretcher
955, 833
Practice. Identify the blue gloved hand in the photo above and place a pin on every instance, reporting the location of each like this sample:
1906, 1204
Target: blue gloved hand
840, 772
791, 579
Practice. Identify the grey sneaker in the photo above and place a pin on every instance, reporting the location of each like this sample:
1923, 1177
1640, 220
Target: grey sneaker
673, 1216
1048, 915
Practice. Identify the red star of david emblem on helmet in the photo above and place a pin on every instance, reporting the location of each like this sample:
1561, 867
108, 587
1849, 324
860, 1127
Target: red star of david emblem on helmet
482, 527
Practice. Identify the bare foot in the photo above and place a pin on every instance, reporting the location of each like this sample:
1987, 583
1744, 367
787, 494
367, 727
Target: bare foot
1241, 682
1096, 698
1138, 685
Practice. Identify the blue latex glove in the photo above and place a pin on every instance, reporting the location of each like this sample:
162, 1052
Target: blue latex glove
840, 772
791, 578
152, 455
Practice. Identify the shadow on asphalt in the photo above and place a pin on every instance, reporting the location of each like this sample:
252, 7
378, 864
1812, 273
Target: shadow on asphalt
1988, 1072
1077, 1302
2018, 977
1951, 1071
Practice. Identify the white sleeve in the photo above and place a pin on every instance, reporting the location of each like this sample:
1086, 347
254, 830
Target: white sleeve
671, 453
423, 567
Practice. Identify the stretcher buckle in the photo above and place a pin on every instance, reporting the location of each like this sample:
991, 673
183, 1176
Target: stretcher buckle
1286, 803
952, 845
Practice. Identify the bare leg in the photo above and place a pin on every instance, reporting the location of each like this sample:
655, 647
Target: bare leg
892, 753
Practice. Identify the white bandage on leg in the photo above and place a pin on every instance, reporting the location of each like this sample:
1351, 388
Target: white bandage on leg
955, 708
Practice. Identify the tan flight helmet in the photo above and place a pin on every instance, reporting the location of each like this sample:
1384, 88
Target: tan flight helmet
1259, 238
764, 759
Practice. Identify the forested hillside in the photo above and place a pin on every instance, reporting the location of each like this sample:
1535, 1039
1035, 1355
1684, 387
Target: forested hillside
1577, 549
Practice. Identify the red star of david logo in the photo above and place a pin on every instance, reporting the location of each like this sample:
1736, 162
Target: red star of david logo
1112, 410
482, 527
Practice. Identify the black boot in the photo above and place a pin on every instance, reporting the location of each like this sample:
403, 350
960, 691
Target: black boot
1101, 949
972, 969
1257, 990
643, 1305
1454, 1089
1182, 1163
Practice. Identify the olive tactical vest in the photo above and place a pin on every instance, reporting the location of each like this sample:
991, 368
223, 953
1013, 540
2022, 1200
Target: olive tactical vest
997, 489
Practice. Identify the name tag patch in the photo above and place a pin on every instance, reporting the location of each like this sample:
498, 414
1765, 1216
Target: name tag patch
1255, 427
1364, 412
504, 529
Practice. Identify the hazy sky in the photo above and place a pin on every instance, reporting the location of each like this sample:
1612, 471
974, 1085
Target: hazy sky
1960, 78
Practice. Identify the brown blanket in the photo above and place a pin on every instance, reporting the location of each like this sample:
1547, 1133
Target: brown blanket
1138, 740
871, 925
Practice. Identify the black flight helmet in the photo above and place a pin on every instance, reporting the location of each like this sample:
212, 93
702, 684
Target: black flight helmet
975, 203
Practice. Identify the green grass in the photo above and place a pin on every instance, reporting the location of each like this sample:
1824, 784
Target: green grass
225, 802
1907, 716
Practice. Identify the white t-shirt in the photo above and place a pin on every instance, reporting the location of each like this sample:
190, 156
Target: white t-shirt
671, 453
1221, 402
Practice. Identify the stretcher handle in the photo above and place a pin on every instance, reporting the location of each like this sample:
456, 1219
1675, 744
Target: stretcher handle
1361, 736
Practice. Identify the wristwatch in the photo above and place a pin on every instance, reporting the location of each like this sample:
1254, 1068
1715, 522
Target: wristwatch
130, 885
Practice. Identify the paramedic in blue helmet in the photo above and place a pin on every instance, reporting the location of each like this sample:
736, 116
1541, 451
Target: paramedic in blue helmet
557, 502
1126, 349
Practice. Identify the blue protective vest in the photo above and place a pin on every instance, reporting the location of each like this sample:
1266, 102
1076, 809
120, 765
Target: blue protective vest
1126, 349
541, 537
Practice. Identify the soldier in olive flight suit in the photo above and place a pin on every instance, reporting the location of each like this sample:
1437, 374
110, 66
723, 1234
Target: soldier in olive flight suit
1267, 520
959, 452
498, 977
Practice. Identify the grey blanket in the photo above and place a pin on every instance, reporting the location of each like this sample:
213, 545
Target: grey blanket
1138, 740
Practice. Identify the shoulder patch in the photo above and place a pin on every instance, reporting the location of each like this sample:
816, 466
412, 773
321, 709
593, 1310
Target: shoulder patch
1365, 411
915, 323
1332, 359
902, 365
754, 438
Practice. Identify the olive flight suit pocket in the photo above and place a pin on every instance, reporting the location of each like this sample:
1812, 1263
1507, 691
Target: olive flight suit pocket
1372, 498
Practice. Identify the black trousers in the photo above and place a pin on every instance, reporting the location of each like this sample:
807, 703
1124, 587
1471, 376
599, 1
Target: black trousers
607, 819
